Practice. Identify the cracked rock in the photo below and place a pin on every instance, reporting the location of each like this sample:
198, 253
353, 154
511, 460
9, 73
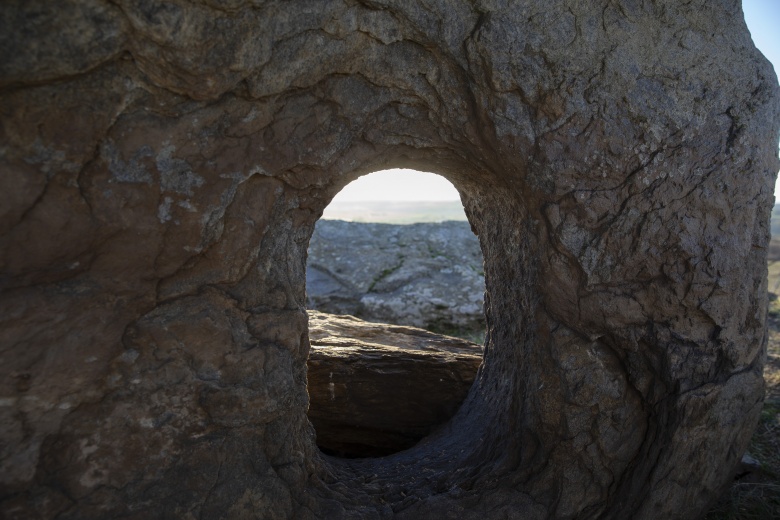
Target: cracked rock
164, 165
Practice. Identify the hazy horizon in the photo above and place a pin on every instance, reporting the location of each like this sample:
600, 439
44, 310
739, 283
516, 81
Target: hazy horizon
395, 211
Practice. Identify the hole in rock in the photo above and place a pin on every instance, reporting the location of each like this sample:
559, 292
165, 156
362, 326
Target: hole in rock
395, 289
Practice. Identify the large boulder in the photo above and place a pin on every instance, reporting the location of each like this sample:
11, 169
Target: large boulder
376, 388
163, 166
426, 274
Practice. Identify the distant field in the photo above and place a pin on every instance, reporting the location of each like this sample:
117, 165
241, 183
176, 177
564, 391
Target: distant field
395, 212
409, 212
773, 256
776, 221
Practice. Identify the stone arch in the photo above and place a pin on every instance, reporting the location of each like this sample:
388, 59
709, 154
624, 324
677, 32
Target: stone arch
163, 182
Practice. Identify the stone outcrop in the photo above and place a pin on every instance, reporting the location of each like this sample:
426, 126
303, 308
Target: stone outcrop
163, 166
426, 275
375, 389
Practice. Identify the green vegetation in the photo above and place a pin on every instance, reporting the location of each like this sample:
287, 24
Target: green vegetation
385, 273
765, 445
748, 501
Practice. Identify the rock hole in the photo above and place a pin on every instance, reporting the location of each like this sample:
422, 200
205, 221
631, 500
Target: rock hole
395, 288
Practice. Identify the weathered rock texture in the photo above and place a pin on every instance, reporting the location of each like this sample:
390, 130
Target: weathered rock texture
375, 389
163, 165
426, 275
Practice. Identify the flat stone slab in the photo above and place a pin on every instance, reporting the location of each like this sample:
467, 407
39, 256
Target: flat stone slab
375, 389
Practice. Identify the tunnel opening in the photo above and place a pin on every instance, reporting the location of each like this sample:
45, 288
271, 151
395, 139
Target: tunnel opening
395, 291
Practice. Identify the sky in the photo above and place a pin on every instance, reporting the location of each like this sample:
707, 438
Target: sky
399, 185
763, 21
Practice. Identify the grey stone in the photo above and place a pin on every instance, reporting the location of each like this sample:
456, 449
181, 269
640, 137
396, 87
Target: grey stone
376, 389
616, 160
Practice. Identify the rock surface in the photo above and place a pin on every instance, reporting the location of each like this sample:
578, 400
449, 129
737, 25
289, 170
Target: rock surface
426, 275
375, 389
163, 166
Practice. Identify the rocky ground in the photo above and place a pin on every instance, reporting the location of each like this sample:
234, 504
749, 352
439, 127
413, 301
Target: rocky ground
427, 275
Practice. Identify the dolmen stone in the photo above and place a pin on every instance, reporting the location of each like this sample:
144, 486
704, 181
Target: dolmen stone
162, 168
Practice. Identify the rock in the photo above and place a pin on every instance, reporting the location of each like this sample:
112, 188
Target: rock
426, 275
375, 389
164, 164
748, 462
